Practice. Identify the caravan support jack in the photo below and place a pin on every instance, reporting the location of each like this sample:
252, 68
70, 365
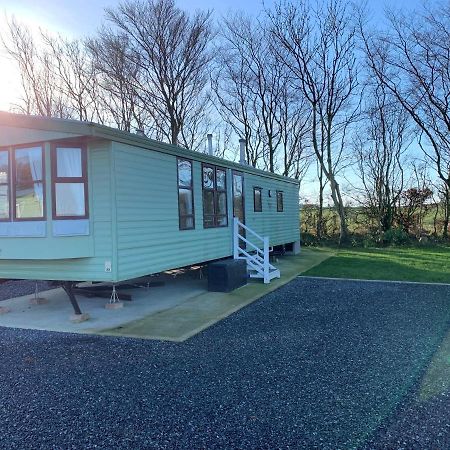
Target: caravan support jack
78, 316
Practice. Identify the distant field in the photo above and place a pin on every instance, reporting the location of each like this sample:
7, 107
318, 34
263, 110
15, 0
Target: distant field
357, 220
428, 264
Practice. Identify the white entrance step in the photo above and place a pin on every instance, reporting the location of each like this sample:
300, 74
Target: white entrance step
257, 258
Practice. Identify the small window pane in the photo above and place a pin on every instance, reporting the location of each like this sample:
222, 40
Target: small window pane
186, 222
238, 208
208, 222
4, 202
221, 179
222, 221
70, 199
257, 199
184, 173
221, 203
280, 201
29, 187
208, 177
215, 211
29, 201
237, 185
238, 200
185, 201
208, 202
68, 163
4, 167
28, 165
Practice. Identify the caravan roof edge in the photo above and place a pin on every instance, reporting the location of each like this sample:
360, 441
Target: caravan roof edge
92, 129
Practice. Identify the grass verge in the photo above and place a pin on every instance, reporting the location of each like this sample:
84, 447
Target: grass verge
198, 313
425, 264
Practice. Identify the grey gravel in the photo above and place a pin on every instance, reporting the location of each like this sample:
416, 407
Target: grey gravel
416, 425
17, 288
315, 364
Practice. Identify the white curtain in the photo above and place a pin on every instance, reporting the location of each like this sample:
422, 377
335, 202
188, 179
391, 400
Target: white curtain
69, 199
68, 162
69, 196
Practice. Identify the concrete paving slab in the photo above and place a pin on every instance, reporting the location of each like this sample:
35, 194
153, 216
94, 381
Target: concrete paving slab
55, 314
200, 312
179, 309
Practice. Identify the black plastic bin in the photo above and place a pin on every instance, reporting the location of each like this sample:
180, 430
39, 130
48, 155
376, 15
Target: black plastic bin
227, 275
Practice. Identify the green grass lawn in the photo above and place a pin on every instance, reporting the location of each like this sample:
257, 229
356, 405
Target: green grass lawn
427, 264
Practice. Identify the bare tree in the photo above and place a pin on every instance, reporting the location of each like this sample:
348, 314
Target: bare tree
235, 107
412, 61
295, 128
115, 73
172, 52
380, 149
414, 202
256, 99
246, 101
444, 194
441, 202
77, 79
58, 75
41, 91
318, 46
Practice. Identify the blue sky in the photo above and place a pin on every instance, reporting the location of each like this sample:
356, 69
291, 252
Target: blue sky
81, 17
77, 18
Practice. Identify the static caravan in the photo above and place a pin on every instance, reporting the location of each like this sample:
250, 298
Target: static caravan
84, 202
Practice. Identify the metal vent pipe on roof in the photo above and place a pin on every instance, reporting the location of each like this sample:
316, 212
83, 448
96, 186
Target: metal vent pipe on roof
210, 147
242, 145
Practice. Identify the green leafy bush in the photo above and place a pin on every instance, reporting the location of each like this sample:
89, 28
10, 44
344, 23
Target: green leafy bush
396, 236
308, 239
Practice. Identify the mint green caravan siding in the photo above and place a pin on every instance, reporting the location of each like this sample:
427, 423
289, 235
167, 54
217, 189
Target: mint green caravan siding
281, 227
148, 235
133, 209
54, 258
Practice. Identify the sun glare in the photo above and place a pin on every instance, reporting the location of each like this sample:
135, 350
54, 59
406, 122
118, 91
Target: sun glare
9, 82
10, 89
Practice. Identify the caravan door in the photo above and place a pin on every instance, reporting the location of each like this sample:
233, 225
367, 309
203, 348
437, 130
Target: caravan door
238, 196
238, 201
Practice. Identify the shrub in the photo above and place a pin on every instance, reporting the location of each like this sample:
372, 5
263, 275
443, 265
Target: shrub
370, 242
308, 239
396, 236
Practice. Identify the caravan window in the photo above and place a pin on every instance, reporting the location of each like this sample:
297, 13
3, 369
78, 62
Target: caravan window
28, 183
185, 195
280, 205
4, 185
214, 197
69, 173
257, 199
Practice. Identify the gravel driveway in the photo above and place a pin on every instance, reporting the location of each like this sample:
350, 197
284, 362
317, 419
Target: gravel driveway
17, 288
315, 364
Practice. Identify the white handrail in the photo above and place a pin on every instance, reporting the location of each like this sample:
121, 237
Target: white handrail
259, 261
257, 249
245, 227
249, 256
254, 264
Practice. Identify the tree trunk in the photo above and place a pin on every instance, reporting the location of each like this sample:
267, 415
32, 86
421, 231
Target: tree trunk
446, 213
319, 224
339, 205
335, 189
